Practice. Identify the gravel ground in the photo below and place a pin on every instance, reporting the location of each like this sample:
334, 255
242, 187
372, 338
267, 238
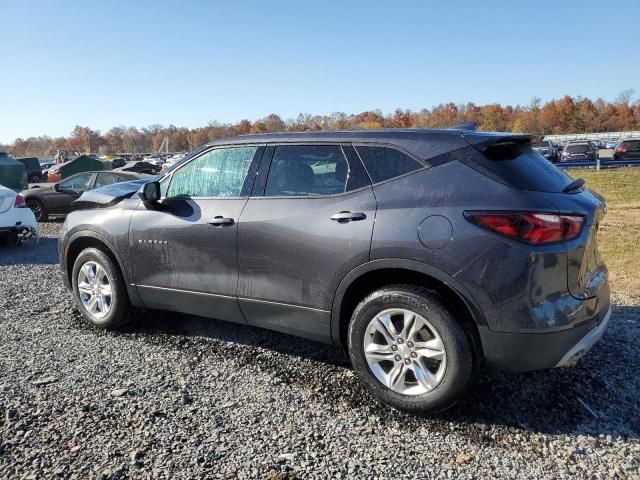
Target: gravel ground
175, 396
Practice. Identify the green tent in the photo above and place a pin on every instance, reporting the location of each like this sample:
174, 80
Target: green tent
13, 173
83, 163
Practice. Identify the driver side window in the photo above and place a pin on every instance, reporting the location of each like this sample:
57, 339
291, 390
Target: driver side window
217, 173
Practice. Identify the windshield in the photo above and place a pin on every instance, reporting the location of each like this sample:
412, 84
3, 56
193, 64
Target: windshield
541, 145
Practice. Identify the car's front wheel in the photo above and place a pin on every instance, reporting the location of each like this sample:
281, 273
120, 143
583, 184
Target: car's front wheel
409, 350
99, 289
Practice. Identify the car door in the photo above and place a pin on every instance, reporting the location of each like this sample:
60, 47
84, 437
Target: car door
68, 190
307, 224
183, 250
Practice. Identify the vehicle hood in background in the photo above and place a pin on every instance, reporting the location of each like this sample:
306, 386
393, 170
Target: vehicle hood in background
110, 194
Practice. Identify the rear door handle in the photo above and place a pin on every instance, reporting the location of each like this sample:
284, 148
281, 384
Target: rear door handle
221, 221
344, 217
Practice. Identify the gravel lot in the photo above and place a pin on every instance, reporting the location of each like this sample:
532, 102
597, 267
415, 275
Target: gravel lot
175, 396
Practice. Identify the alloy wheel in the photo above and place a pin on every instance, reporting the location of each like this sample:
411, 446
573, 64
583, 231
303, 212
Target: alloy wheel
94, 289
405, 352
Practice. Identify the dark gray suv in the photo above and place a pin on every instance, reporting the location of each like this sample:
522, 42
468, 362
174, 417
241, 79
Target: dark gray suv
424, 253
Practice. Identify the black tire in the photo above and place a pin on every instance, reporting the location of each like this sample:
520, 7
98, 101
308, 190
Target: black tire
119, 311
35, 179
38, 209
459, 369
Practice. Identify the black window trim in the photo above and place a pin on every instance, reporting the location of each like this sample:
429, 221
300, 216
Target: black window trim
249, 180
425, 165
265, 169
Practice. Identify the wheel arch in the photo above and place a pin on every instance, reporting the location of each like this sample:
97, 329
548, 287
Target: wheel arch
378, 273
84, 239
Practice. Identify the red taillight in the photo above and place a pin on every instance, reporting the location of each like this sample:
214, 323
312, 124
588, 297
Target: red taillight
620, 150
531, 227
19, 202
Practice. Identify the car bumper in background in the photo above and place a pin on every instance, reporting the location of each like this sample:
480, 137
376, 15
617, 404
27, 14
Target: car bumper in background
537, 351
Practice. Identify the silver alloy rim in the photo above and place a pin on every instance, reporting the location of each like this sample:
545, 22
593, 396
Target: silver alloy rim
94, 289
404, 352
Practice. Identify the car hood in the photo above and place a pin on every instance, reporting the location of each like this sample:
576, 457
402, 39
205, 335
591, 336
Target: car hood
110, 194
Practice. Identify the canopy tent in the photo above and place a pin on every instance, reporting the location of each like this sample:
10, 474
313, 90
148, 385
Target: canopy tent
83, 163
13, 173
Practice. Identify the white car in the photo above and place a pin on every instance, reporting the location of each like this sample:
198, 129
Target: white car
17, 221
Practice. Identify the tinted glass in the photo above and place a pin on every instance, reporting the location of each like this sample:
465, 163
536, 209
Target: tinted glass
307, 170
384, 163
541, 145
106, 179
516, 165
77, 182
577, 148
631, 144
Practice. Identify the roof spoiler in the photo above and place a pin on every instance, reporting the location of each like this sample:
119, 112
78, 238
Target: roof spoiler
482, 142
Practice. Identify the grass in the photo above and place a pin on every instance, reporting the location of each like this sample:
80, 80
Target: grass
619, 235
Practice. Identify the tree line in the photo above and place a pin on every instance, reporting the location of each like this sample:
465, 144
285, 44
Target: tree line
565, 115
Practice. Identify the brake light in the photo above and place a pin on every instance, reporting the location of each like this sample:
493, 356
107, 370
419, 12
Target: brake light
536, 228
620, 150
19, 202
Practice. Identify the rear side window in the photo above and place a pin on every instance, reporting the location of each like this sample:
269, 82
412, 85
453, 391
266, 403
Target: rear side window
106, 179
633, 144
384, 163
307, 170
516, 165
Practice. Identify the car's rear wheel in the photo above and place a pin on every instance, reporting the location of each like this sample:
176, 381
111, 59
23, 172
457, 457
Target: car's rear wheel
35, 178
38, 209
409, 350
99, 289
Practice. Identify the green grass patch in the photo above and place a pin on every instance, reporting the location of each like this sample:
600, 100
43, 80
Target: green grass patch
619, 236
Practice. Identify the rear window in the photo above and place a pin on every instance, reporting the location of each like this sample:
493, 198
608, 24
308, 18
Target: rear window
383, 163
541, 145
516, 165
631, 144
577, 148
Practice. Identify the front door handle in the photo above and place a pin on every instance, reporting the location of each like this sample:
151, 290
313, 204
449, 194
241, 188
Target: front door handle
221, 221
344, 217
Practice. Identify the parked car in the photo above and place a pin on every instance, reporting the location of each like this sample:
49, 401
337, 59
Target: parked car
34, 169
611, 144
424, 253
140, 166
17, 222
629, 148
547, 149
57, 199
118, 162
578, 151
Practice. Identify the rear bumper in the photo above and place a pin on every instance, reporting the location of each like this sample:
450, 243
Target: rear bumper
24, 232
537, 351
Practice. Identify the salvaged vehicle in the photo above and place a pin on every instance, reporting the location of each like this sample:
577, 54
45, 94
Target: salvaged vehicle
17, 222
425, 254
59, 199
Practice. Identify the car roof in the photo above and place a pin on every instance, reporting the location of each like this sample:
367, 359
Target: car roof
115, 172
421, 142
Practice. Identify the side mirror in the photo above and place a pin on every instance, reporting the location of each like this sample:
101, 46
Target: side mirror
150, 192
56, 187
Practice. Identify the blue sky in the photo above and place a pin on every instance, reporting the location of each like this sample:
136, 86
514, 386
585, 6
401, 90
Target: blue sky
186, 63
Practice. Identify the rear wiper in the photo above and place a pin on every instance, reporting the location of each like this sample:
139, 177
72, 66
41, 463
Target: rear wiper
576, 184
